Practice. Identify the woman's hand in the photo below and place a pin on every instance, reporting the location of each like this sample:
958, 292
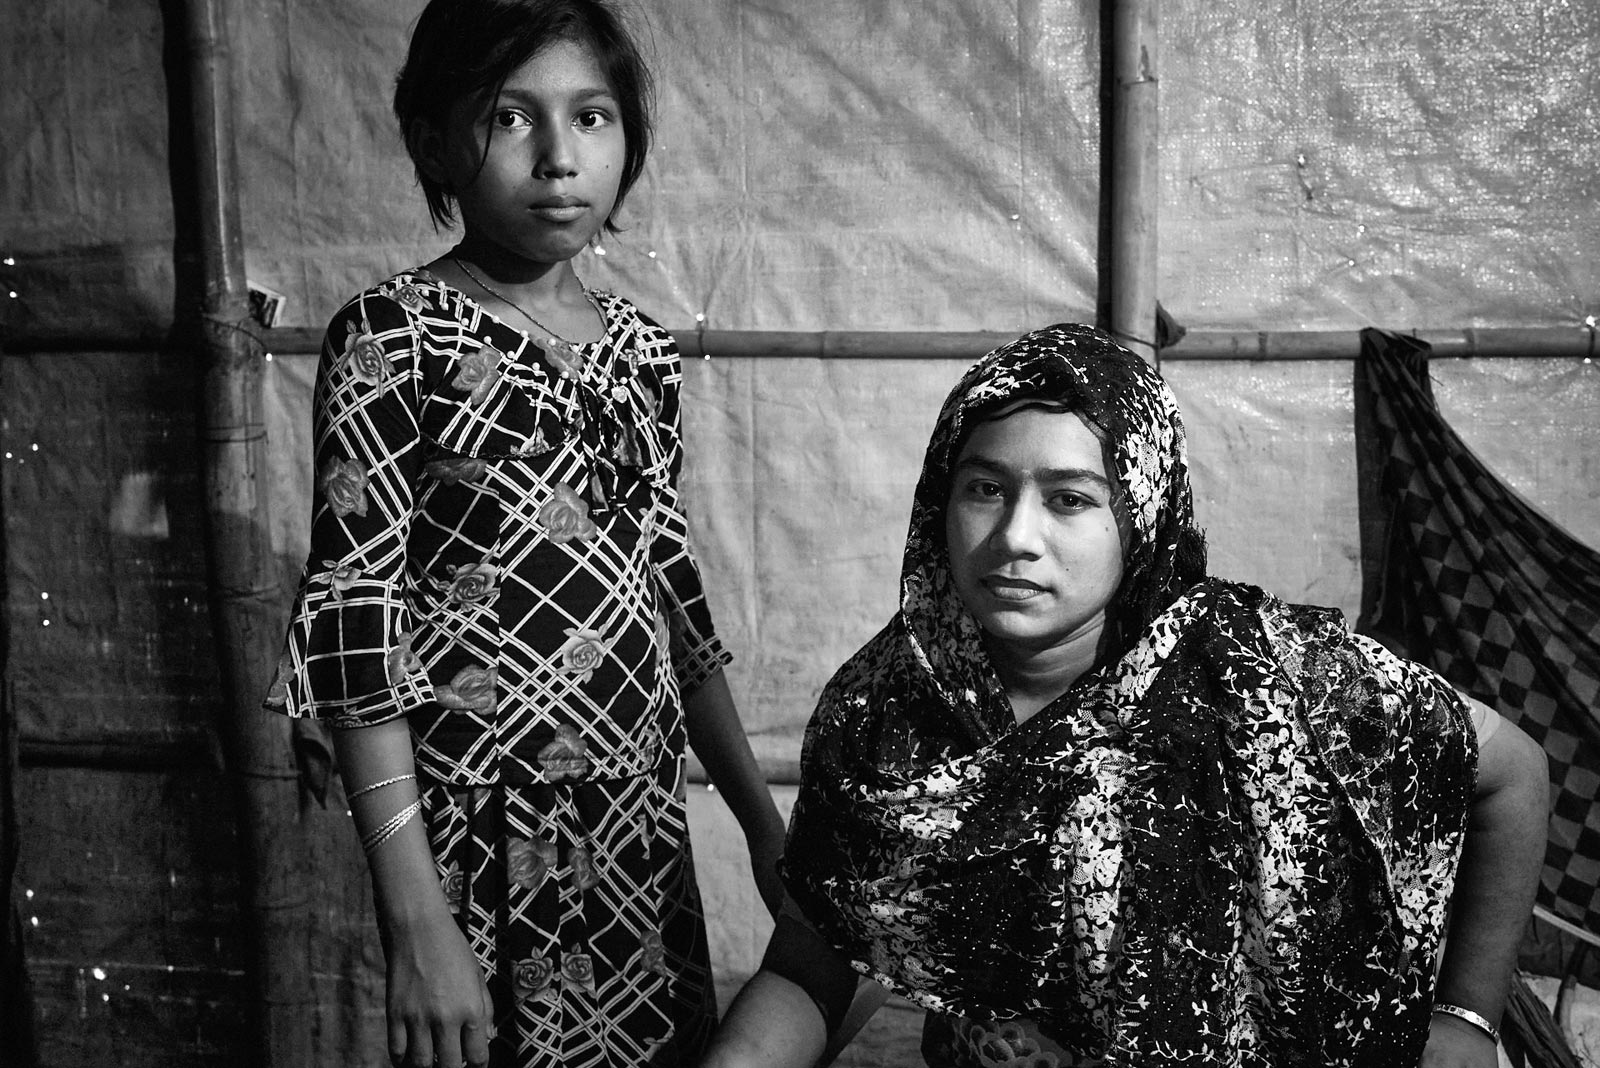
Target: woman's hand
1454, 1043
439, 1008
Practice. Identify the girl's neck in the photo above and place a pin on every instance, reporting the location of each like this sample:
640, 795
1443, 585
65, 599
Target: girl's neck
528, 296
516, 277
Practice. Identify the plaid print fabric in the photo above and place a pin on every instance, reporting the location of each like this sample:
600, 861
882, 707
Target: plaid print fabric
1465, 576
499, 554
582, 903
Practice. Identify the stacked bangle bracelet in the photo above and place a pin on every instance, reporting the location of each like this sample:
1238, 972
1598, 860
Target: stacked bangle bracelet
390, 827
367, 789
1471, 1017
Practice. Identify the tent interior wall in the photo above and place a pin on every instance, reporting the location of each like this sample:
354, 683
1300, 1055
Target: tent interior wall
858, 168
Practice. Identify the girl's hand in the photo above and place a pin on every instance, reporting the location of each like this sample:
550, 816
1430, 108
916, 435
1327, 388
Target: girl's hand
1454, 1043
439, 1008
765, 850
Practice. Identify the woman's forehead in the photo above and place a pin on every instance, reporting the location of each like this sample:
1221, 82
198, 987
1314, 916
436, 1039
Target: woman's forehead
1041, 440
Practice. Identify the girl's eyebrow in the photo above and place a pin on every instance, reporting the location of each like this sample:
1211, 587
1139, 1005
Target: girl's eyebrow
1048, 474
580, 95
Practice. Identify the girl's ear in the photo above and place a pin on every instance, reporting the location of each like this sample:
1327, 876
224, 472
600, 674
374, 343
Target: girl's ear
425, 143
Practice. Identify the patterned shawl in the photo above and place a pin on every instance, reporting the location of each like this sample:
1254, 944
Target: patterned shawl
1231, 843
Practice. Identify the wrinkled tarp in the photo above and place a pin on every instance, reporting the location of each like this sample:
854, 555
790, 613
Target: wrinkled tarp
868, 164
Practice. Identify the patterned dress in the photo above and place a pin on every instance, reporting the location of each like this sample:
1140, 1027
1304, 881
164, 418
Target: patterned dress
498, 553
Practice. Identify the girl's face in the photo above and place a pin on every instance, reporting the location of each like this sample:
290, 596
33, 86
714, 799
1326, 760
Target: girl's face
536, 173
1034, 548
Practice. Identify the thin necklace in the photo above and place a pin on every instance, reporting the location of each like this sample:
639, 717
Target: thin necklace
519, 309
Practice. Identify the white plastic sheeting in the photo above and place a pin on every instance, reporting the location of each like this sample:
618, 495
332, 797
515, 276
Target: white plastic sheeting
871, 164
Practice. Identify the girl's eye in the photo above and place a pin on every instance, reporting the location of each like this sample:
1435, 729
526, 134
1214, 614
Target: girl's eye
509, 119
592, 120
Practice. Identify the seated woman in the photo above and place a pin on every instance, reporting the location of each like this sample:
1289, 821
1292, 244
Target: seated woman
1088, 806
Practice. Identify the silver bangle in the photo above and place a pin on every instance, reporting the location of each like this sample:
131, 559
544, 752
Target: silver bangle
1471, 1017
376, 785
390, 828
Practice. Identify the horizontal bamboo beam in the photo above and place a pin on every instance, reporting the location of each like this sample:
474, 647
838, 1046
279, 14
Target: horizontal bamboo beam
1575, 342
118, 752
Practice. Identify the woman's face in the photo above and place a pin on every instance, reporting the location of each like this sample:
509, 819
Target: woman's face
1034, 547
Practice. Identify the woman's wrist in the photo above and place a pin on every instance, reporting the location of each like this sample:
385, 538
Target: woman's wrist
1460, 1016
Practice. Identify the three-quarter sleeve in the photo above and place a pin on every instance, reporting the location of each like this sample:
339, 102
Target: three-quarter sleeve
348, 653
697, 652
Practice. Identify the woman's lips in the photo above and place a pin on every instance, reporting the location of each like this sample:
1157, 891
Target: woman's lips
1012, 589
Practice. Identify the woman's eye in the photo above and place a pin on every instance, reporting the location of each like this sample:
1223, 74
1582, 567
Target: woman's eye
1071, 502
509, 119
983, 488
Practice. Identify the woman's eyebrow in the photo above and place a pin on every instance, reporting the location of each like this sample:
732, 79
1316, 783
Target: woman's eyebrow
1048, 474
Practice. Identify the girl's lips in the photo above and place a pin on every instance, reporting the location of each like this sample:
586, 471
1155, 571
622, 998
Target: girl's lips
559, 212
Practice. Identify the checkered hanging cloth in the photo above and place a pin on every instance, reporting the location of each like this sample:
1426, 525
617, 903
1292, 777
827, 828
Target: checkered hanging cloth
1462, 574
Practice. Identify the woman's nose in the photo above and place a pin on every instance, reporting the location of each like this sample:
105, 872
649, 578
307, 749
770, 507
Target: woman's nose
1019, 529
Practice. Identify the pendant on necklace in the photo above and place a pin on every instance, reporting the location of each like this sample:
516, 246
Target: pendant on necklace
619, 392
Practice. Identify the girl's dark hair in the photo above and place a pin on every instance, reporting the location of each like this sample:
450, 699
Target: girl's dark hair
467, 48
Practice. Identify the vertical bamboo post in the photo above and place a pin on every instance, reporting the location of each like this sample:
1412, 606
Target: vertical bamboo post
243, 580
1134, 196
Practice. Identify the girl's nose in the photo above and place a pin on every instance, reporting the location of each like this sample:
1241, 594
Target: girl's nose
1018, 532
557, 158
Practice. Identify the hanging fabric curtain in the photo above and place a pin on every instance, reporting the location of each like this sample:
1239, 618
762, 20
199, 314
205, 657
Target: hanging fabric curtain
1462, 574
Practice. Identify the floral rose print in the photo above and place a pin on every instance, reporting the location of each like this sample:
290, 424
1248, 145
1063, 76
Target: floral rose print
562, 356
653, 952
344, 484
340, 578
402, 660
565, 516
582, 652
366, 358
278, 692
531, 977
455, 469
528, 863
473, 583
535, 446
1002, 1045
477, 374
452, 883
472, 687
584, 874
567, 757
578, 969
409, 296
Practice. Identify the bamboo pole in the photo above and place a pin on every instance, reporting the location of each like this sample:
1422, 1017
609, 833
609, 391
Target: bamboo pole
1534, 342
243, 583
1133, 195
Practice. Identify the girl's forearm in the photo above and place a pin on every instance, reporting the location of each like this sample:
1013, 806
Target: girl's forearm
718, 739
1498, 877
405, 880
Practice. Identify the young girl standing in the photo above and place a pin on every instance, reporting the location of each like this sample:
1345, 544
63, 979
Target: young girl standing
501, 615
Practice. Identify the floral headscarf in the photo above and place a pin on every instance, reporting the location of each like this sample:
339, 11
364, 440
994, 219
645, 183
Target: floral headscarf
1230, 843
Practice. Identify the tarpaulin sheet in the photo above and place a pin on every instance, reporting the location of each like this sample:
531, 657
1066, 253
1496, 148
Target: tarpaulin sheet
869, 164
